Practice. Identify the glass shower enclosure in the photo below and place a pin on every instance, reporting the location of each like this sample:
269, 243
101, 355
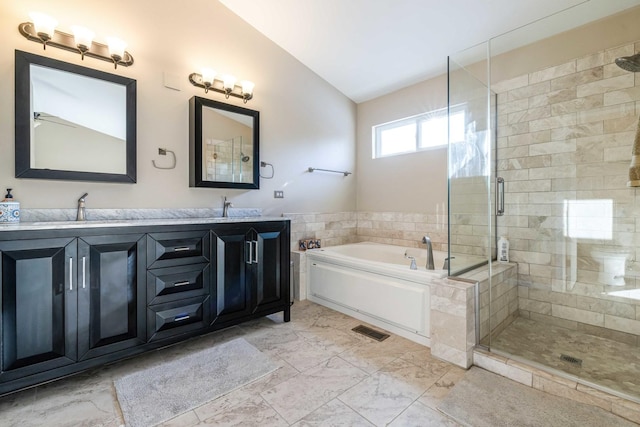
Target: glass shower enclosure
542, 124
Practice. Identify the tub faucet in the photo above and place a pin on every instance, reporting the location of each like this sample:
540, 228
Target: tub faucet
225, 207
413, 265
427, 241
81, 215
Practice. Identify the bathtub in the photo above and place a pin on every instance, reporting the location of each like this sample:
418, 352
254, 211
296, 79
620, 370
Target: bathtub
373, 282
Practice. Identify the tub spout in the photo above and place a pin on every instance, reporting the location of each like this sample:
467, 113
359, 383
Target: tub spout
427, 241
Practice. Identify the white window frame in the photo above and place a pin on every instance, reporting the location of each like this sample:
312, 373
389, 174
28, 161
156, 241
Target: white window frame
419, 138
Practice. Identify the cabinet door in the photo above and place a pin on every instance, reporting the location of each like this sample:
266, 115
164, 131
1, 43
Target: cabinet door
38, 302
111, 293
231, 298
270, 270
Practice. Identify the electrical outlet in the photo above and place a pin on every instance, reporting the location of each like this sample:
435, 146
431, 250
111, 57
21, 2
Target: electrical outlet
278, 194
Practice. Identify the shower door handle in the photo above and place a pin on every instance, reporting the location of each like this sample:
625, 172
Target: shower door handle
500, 196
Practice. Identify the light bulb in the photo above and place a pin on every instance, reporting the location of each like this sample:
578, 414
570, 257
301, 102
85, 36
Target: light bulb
83, 38
208, 75
229, 83
44, 25
116, 48
247, 90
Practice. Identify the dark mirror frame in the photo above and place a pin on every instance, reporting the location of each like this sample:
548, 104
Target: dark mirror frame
195, 144
23, 116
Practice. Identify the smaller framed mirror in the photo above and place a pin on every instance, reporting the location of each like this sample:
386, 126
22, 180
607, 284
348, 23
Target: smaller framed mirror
223, 145
73, 122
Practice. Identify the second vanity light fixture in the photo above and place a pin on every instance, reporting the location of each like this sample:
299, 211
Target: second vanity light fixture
43, 30
225, 84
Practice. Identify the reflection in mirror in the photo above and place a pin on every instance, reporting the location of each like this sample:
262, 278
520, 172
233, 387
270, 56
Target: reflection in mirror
73, 122
223, 145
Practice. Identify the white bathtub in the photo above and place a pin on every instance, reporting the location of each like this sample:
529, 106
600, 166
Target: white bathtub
373, 282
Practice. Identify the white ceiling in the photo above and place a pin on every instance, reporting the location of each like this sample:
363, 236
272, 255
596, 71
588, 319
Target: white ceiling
367, 48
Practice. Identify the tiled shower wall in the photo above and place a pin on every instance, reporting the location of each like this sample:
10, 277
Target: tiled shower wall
565, 136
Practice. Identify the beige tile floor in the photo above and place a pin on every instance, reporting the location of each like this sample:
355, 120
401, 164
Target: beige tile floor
605, 362
328, 376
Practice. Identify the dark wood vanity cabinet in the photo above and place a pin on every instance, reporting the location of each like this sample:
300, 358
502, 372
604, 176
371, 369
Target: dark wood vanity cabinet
251, 267
178, 282
72, 299
39, 306
111, 293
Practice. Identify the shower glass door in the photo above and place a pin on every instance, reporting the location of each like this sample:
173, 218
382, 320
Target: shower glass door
567, 121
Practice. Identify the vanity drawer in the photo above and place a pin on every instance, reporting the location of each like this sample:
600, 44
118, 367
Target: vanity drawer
177, 317
177, 248
173, 283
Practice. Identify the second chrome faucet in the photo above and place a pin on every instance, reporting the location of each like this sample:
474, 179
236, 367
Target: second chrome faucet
81, 214
225, 207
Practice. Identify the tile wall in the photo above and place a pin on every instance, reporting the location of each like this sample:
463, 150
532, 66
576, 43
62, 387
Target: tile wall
565, 136
504, 291
395, 228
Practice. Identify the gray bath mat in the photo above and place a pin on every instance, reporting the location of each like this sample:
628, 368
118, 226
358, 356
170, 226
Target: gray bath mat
162, 392
486, 399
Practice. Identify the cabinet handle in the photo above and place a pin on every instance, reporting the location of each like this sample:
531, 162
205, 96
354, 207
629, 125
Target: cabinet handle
255, 261
70, 274
83, 271
186, 282
181, 317
249, 253
182, 249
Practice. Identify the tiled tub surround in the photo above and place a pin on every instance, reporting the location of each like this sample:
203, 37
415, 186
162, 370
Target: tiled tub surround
392, 228
565, 135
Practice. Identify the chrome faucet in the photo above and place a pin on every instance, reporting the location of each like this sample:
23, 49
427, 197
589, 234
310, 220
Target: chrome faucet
81, 215
427, 240
413, 265
225, 207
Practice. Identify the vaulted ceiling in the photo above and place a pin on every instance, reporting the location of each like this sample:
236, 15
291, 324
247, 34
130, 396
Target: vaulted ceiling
367, 48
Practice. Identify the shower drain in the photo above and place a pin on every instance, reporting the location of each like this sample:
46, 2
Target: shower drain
371, 333
571, 359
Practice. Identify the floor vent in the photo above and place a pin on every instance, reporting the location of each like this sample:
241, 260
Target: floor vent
571, 359
371, 333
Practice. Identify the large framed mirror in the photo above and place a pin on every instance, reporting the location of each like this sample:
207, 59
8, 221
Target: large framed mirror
223, 145
73, 122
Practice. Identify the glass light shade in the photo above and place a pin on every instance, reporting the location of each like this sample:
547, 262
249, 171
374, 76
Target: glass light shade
116, 47
208, 75
229, 82
43, 23
247, 87
83, 36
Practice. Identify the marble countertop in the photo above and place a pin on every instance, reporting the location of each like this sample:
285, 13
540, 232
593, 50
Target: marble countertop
57, 219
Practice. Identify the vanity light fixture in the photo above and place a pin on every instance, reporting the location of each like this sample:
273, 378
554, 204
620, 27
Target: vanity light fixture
222, 84
42, 30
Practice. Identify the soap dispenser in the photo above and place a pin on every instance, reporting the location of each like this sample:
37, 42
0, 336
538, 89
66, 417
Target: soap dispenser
503, 249
9, 209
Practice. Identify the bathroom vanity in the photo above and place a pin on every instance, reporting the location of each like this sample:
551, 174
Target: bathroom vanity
78, 295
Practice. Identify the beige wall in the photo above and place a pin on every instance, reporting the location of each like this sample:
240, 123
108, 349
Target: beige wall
304, 121
405, 183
